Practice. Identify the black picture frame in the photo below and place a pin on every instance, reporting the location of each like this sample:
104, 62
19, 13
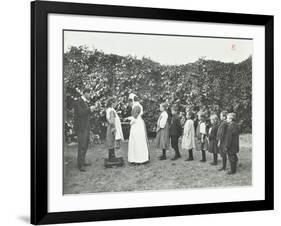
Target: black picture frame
39, 112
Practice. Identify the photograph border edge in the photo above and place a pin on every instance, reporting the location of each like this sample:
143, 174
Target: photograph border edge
39, 112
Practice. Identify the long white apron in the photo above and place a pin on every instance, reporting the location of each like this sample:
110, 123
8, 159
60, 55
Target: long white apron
188, 138
119, 132
138, 147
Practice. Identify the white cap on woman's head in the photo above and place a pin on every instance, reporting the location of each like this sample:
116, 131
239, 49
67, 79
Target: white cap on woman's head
132, 96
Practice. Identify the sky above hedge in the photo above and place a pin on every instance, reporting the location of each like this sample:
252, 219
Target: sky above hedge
163, 49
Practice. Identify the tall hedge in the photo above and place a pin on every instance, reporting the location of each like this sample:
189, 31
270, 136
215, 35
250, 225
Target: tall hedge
207, 84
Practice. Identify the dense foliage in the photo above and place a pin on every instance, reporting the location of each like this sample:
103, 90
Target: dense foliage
208, 84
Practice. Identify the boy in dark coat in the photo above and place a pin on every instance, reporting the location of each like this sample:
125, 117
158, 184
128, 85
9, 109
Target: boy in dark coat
213, 143
221, 138
195, 111
175, 131
232, 142
82, 127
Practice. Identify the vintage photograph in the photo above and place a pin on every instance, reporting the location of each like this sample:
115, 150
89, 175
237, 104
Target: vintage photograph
156, 112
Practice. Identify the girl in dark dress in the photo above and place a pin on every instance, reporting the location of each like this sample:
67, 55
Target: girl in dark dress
213, 143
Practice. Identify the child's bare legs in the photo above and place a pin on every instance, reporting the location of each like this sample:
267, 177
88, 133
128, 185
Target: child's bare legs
224, 159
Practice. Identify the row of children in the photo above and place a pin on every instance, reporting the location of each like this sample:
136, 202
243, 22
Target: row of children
222, 137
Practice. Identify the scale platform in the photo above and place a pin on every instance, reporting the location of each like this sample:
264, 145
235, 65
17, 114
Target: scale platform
117, 162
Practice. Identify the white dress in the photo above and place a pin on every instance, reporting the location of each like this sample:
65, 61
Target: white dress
119, 132
138, 147
188, 138
118, 126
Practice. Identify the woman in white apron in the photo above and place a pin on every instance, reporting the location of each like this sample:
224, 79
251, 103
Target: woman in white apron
138, 144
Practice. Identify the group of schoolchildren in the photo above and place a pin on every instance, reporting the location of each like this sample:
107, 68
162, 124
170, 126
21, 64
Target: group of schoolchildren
221, 137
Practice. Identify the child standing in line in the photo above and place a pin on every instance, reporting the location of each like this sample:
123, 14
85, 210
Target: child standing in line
118, 127
111, 128
175, 131
221, 139
213, 144
119, 132
194, 112
201, 135
188, 138
232, 142
162, 129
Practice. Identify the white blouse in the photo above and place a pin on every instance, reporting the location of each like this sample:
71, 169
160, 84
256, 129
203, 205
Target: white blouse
162, 120
202, 128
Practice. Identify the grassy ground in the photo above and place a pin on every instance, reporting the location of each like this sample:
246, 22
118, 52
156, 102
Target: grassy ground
155, 175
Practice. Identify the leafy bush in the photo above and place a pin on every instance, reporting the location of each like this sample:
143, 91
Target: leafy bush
207, 84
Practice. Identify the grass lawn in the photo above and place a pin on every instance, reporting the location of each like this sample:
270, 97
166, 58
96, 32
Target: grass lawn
156, 174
